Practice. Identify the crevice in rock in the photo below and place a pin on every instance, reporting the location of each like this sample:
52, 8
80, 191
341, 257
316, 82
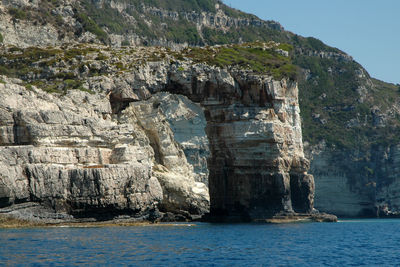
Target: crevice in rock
119, 104
28, 175
155, 144
300, 191
21, 133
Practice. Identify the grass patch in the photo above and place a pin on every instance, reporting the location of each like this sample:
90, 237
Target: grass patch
28, 87
254, 56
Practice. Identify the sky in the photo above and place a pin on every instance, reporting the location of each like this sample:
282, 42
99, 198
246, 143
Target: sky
368, 30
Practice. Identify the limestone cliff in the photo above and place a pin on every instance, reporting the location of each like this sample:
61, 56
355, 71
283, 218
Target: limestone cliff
357, 185
168, 23
353, 116
72, 156
257, 167
351, 135
112, 143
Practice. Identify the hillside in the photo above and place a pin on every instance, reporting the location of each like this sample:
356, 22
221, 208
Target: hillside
351, 122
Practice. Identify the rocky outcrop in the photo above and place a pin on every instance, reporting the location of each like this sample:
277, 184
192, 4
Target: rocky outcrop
29, 23
364, 178
125, 147
341, 186
181, 192
43, 23
188, 123
254, 129
363, 185
71, 155
387, 172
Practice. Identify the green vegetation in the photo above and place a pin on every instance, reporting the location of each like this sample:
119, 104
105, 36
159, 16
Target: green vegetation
125, 43
70, 84
254, 56
70, 65
182, 33
60, 87
337, 105
20, 60
28, 64
111, 19
178, 5
78, 51
104, 17
234, 13
331, 92
89, 25
28, 87
248, 34
1, 38
101, 56
315, 44
174, 29
17, 13
384, 94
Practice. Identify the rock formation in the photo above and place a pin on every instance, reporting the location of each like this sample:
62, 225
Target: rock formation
74, 157
257, 167
352, 185
343, 107
49, 23
140, 144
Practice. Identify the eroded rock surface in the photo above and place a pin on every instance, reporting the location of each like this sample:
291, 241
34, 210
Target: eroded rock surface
132, 149
73, 156
357, 184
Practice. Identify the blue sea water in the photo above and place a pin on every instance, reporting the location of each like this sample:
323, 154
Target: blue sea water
347, 243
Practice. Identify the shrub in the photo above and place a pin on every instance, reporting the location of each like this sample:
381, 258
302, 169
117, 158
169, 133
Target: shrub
89, 25
125, 43
28, 87
101, 56
251, 56
17, 13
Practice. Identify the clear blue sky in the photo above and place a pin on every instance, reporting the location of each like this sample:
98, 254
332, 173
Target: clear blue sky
368, 30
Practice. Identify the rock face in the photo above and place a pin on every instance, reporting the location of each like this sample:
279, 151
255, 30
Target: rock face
349, 182
68, 154
131, 150
352, 188
50, 23
22, 30
73, 156
341, 187
257, 166
181, 191
188, 124
387, 195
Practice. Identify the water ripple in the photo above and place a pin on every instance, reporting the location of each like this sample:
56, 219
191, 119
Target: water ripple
350, 243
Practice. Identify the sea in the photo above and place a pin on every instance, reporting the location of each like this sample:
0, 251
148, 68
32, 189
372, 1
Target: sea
346, 243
